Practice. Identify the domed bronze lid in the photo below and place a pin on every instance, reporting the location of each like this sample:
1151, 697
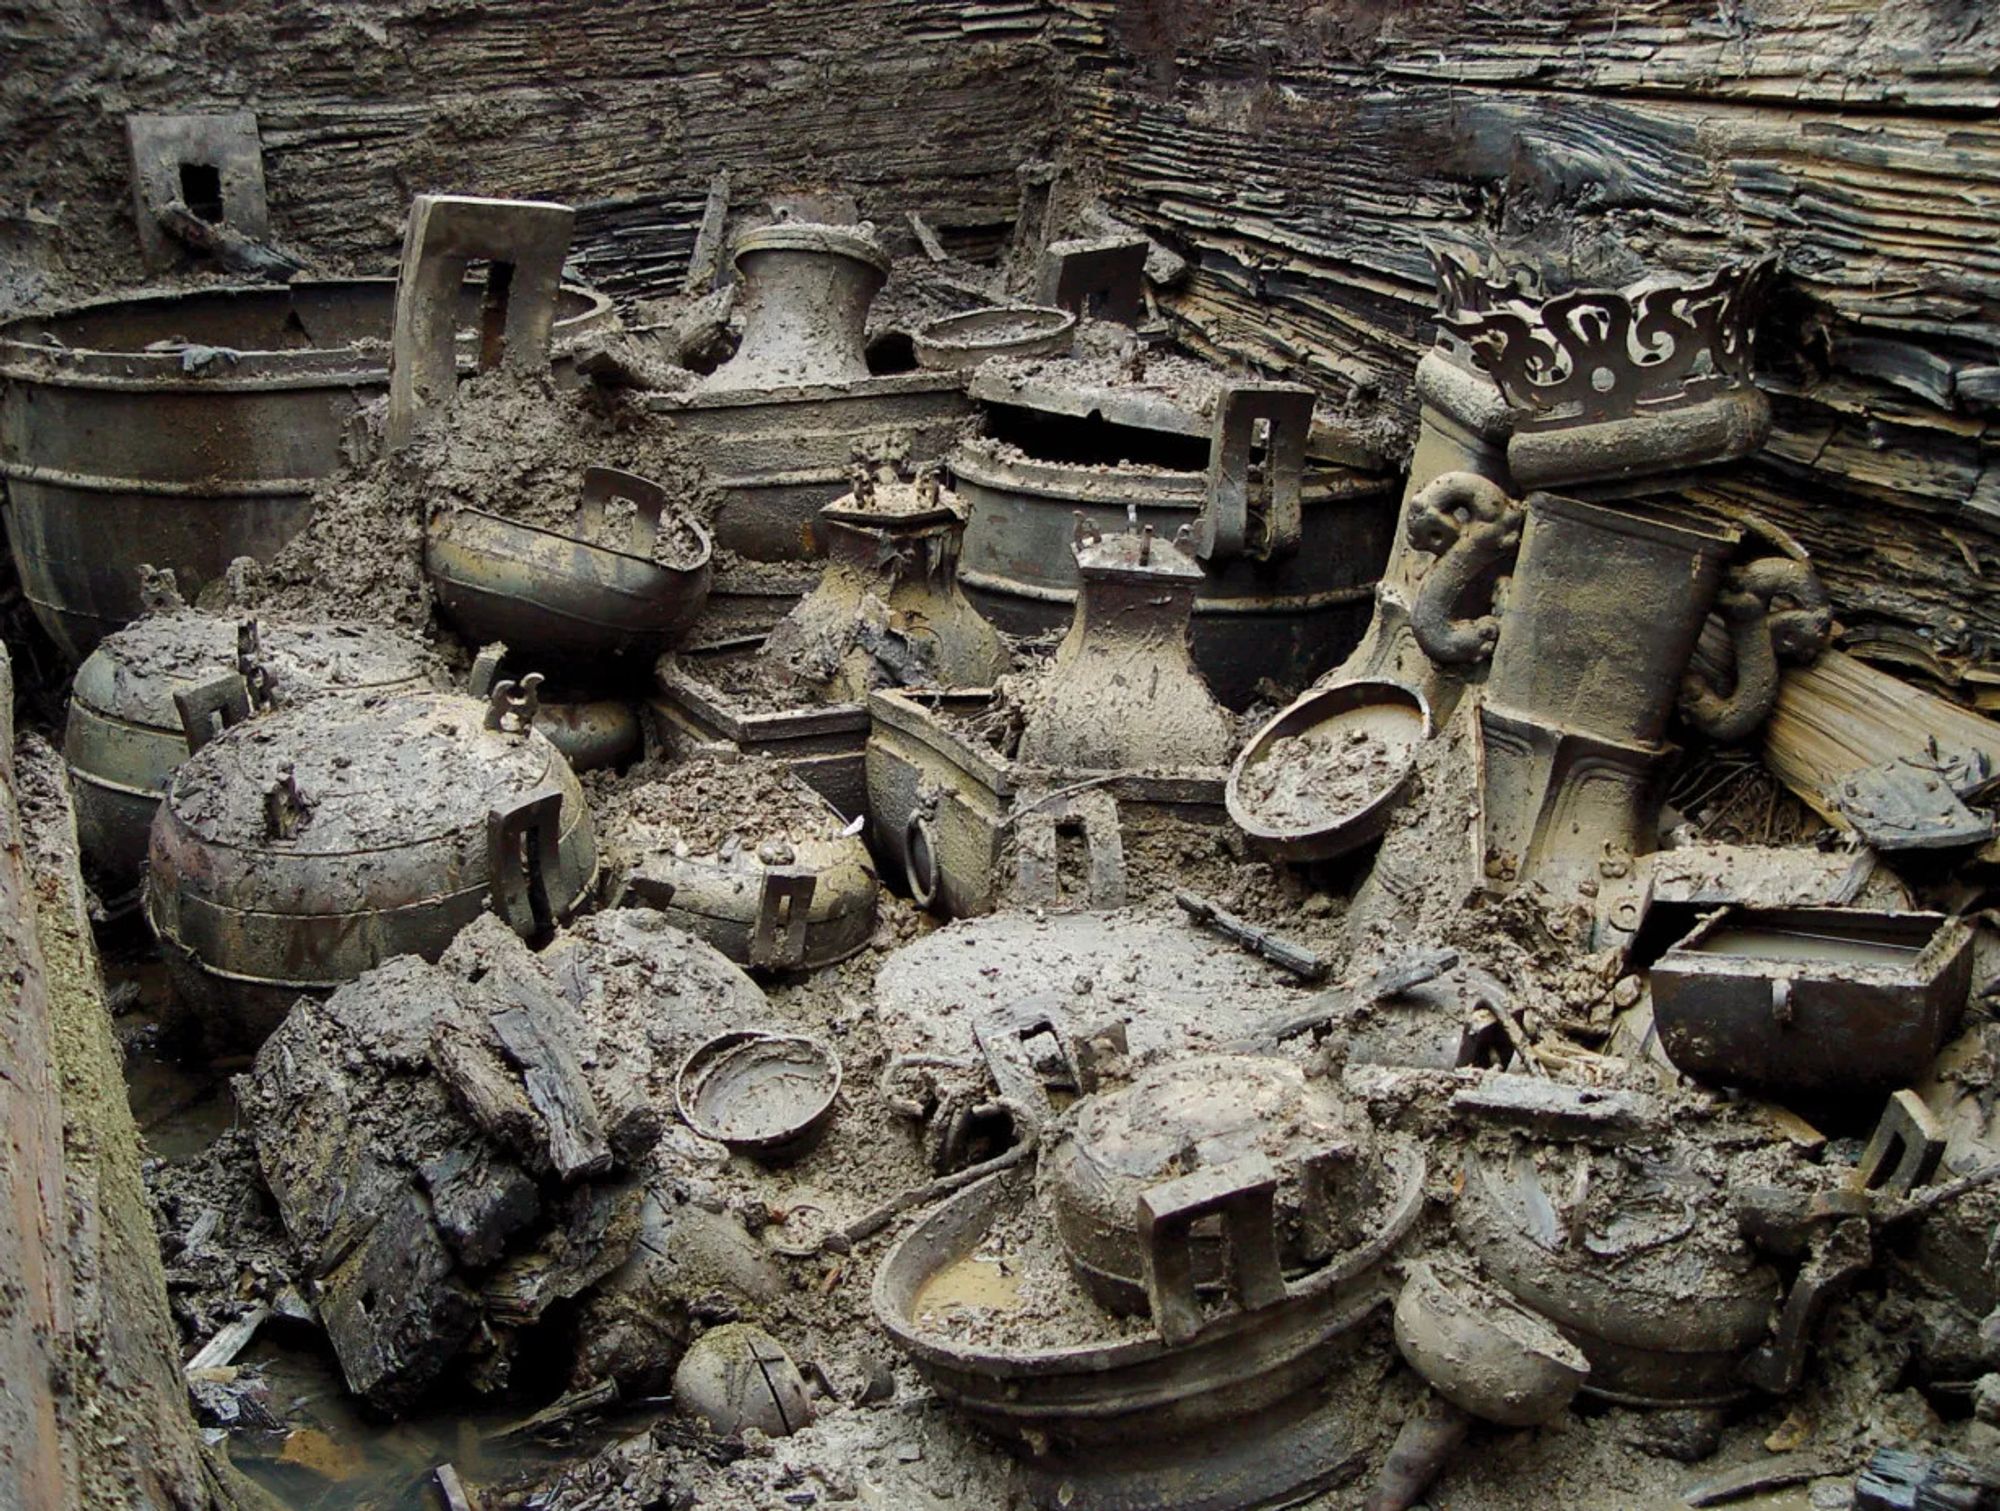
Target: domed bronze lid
134, 673
367, 773
1201, 1113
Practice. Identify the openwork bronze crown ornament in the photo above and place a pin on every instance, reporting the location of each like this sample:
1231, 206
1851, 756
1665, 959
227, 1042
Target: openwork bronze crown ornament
1471, 282
1604, 354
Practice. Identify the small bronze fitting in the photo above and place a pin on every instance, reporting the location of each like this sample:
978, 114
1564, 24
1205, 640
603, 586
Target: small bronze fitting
286, 810
513, 705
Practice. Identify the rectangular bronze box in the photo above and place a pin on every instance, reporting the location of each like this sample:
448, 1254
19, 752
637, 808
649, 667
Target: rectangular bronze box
1812, 999
945, 809
823, 742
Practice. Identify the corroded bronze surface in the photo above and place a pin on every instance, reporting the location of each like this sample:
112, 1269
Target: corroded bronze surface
217, 454
299, 849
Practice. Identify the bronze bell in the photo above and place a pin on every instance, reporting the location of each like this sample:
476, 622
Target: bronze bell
1123, 693
806, 292
888, 610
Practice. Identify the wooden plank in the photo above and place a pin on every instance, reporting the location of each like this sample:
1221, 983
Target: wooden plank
920, 104
228, 1342
34, 1269
705, 261
1301, 167
480, 1084
533, 1034
1839, 716
90, 1330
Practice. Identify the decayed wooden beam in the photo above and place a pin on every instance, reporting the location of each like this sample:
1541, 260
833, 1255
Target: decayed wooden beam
1840, 716
480, 1083
33, 1272
532, 1035
95, 1411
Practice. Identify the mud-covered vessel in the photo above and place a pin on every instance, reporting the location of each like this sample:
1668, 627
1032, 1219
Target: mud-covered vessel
1290, 521
298, 850
620, 584
1221, 1108
125, 734
888, 609
779, 424
1123, 692
744, 855
228, 405
1223, 1390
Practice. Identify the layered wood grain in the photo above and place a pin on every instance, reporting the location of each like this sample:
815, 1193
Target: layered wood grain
1301, 156
626, 107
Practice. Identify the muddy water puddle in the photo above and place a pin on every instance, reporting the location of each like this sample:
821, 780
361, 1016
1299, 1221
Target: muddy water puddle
1808, 947
181, 1106
332, 1456
973, 1282
180, 1109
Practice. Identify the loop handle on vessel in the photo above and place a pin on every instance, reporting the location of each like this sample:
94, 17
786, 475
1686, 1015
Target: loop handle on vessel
1003, 1046
1244, 1194
524, 860
1256, 473
779, 939
1782, 1011
285, 807
1320, 1174
206, 711
920, 858
1776, 610
258, 679
159, 592
1090, 813
524, 242
601, 485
